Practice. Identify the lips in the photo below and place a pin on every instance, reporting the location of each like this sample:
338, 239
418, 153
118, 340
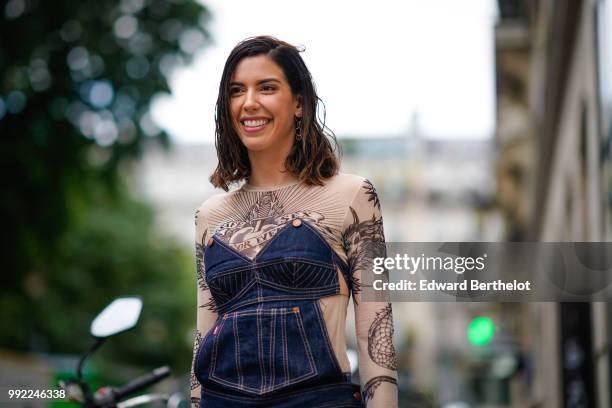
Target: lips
254, 125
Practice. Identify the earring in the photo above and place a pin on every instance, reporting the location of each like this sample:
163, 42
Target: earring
298, 128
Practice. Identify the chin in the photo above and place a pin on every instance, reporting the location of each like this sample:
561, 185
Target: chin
254, 145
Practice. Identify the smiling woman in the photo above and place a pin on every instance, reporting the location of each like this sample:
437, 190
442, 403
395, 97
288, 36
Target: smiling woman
266, 79
278, 258
262, 106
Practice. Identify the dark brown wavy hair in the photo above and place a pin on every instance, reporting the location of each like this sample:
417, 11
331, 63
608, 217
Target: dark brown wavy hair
313, 159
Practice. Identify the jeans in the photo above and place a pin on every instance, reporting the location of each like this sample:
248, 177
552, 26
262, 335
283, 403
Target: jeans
269, 345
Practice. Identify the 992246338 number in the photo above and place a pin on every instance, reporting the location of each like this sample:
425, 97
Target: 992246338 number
36, 394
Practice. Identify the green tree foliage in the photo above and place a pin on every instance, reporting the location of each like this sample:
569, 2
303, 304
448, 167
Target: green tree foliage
77, 78
113, 250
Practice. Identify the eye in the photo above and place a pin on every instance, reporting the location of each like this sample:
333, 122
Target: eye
234, 90
268, 88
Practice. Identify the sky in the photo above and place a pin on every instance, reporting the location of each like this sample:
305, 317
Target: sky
377, 65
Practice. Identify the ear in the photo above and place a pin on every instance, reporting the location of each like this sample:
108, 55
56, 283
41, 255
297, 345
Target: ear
298, 112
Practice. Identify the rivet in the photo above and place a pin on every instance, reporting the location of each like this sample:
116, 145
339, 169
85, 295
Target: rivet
297, 222
210, 242
296, 309
357, 396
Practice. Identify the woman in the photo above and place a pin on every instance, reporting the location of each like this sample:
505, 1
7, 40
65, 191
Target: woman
278, 258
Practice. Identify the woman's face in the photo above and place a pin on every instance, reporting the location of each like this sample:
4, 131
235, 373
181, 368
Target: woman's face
262, 105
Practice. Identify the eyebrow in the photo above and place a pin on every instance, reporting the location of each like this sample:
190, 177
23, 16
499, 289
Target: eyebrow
261, 81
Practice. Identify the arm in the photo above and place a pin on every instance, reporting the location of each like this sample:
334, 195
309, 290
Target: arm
206, 316
363, 240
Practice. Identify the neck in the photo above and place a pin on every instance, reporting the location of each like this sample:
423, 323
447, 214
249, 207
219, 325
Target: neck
268, 168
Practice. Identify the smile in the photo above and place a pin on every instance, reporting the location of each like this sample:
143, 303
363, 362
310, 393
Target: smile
252, 126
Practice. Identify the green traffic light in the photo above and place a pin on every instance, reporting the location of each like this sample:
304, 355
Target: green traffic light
480, 331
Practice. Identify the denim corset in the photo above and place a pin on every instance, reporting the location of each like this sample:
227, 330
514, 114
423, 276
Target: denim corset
270, 336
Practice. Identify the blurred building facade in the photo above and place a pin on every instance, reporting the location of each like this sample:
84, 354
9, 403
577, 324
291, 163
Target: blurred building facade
553, 177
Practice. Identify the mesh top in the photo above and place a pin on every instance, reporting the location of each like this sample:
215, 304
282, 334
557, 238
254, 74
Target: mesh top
346, 213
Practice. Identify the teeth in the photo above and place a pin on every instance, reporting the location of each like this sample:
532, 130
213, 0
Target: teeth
253, 123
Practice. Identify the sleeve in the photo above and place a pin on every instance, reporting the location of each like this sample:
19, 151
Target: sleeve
205, 314
363, 239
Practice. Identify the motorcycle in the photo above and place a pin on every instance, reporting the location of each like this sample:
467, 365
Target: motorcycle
120, 315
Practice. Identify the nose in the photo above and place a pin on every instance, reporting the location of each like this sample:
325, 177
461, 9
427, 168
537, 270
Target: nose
250, 101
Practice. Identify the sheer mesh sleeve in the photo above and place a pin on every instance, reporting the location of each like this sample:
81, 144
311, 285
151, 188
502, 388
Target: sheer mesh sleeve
205, 314
363, 239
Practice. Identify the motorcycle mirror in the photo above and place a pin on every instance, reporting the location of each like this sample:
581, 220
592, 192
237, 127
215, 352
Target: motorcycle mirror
120, 315
177, 400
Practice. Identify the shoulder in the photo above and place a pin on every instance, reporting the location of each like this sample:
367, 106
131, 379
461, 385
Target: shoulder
347, 179
353, 186
202, 213
348, 182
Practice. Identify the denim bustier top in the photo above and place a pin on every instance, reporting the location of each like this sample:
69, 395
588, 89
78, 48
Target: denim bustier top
297, 263
270, 334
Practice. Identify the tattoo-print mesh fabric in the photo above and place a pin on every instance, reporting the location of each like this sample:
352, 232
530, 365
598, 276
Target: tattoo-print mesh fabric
380, 339
345, 211
371, 386
205, 316
249, 219
363, 240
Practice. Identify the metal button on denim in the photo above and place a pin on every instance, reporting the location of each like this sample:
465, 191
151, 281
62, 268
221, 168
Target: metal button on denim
297, 222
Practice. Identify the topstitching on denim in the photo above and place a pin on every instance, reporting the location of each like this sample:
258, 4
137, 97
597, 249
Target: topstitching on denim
270, 326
